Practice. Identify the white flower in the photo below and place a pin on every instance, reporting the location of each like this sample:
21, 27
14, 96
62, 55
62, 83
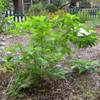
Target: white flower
83, 32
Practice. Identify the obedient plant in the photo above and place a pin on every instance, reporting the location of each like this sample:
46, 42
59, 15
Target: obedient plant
49, 43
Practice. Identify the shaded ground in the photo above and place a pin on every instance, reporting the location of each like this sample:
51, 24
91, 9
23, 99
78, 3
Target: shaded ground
84, 87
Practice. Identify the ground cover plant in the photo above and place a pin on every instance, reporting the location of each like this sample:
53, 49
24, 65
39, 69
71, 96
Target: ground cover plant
81, 66
49, 43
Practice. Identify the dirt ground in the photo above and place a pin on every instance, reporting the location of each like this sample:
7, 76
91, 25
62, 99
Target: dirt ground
84, 87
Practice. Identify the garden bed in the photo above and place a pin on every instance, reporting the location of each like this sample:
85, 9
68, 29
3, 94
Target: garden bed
83, 87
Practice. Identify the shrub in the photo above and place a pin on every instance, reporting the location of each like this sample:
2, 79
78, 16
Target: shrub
3, 21
1, 14
51, 8
49, 43
1, 6
36, 9
58, 3
84, 16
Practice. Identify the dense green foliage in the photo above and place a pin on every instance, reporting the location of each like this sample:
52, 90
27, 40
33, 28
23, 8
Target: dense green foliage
39, 6
58, 3
2, 7
51, 8
49, 43
81, 66
84, 16
36, 9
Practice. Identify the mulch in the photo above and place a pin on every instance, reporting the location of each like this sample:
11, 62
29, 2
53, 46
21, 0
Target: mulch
83, 87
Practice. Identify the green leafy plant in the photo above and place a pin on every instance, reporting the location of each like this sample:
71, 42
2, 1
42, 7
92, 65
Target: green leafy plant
49, 43
81, 66
36, 9
3, 20
2, 7
84, 16
57, 3
51, 8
